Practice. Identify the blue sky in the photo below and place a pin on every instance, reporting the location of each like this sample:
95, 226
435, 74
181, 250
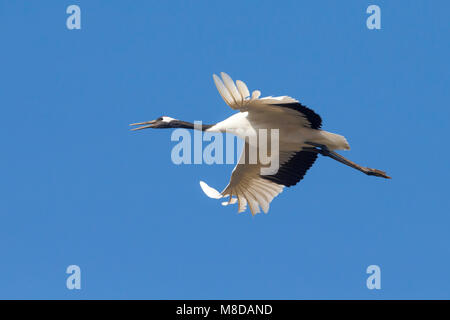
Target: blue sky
77, 187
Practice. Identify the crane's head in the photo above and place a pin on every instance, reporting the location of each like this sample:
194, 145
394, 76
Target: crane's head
160, 123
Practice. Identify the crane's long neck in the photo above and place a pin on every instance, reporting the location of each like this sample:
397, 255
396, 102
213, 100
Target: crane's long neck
189, 125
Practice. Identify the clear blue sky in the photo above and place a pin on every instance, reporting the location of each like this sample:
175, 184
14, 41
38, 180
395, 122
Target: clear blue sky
77, 187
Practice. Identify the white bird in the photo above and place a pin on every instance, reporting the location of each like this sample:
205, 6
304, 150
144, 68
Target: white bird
300, 141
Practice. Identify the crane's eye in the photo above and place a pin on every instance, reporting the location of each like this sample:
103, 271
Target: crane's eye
159, 119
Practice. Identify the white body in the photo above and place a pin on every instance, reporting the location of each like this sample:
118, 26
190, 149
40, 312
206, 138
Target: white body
292, 136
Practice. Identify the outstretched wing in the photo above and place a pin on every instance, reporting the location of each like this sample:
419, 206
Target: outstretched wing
248, 186
237, 96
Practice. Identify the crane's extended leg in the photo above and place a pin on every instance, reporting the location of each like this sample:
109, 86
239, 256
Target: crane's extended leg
323, 150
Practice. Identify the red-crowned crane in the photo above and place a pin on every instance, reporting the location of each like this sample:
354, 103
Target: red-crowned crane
300, 141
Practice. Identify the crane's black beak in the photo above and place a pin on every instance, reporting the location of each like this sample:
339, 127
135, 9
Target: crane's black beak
145, 125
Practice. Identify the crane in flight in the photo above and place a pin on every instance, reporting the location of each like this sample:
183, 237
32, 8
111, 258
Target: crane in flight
300, 141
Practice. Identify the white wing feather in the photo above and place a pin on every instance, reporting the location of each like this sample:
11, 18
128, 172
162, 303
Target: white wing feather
232, 88
209, 191
226, 96
243, 90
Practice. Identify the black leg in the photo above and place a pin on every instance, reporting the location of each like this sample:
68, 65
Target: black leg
323, 150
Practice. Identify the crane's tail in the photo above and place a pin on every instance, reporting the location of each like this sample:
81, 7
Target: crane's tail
333, 141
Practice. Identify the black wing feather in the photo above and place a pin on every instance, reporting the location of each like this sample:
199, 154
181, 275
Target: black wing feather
310, 115
291, 172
